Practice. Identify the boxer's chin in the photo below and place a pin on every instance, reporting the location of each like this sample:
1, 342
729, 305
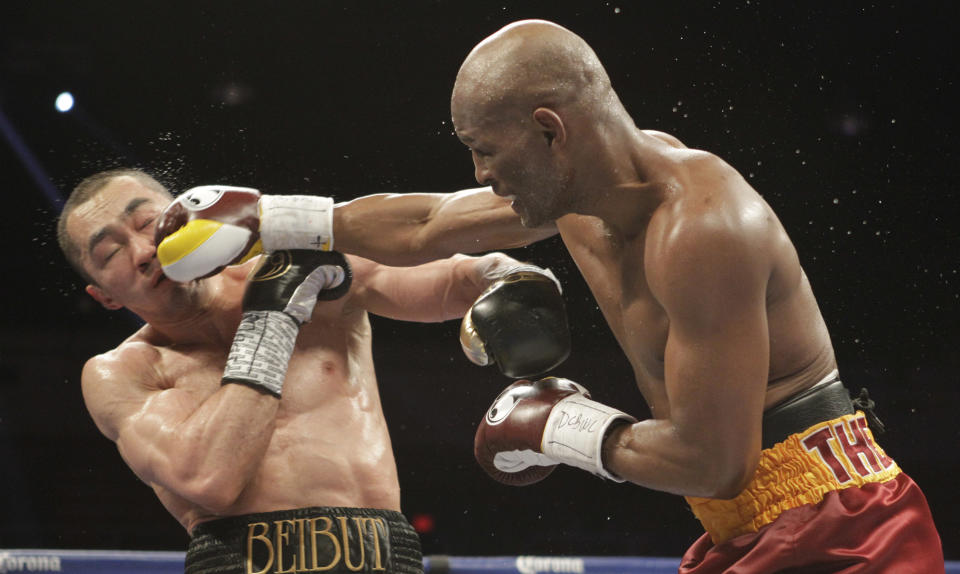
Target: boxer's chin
528, 218
520, 209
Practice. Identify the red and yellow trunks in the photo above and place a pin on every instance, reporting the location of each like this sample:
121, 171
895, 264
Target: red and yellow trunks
831, 455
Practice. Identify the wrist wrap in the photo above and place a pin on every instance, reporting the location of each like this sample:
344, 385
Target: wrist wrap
575, 431
296, 222
261, 350
526, 269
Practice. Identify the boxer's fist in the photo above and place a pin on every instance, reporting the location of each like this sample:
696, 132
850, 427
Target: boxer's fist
519, 322
293, 281
532, 427
207, 228
279, 297
508, 441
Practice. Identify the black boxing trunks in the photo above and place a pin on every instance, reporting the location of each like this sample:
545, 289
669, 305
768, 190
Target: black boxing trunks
315, 539
826, 400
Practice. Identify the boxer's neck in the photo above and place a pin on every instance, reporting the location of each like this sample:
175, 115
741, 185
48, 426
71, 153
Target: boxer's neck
626, 185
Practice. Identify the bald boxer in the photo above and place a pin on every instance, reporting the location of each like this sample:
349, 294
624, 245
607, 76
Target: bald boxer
248, 401
704, 291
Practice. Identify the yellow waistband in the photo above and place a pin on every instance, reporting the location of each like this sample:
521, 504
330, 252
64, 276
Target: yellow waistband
831, 455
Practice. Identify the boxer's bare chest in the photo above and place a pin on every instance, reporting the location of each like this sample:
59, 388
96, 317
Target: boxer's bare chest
196, 368
614, 270
326, 357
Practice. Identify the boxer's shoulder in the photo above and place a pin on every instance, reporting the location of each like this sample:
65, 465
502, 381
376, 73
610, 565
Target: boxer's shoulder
673, 141
132, 361
116, 383
709, 201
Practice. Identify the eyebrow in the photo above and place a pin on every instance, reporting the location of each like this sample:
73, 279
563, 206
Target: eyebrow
100, 235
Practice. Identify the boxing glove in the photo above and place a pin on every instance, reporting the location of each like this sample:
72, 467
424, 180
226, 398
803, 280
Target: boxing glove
532, 427
519, 322
279, 297
209, 227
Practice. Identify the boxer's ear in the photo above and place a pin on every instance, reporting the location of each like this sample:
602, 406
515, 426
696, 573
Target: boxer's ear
551, 126
101, 296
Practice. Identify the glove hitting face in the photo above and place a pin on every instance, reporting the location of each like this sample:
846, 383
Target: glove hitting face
209, 227
532, 427
519, 322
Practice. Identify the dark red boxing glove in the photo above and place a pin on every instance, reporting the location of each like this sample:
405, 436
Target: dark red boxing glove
209, 227
532, 427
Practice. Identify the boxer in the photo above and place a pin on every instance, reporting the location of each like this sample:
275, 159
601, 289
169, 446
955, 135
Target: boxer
223, 401
705, 293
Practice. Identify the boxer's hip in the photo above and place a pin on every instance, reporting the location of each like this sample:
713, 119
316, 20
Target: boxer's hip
315, 539
826, 400
830, 455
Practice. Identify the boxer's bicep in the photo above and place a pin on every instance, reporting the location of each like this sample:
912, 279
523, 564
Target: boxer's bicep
713, 287
437, 291
413, 228
129, 405
144, 436
716, 365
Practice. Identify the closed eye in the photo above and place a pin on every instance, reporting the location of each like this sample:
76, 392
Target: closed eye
474, 150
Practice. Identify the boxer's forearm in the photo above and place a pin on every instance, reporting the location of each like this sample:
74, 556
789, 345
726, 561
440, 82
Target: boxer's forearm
209, 457
409, 229
653, 453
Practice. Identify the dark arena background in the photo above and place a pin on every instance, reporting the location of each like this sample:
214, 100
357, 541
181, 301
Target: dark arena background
840, 114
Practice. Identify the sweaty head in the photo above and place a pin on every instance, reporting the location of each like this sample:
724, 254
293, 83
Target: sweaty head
85, 191
525, 65
518, 99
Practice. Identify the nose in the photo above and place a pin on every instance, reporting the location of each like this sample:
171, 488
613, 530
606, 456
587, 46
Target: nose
480, 171
144, 251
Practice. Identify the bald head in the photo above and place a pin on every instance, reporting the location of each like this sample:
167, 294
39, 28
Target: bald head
529, 64
533, 105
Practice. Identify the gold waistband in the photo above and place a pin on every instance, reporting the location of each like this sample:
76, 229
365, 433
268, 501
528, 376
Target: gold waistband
831, 455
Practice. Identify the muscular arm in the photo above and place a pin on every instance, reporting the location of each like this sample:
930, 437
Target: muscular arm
413, 228
711, 279
203, 449
437, 291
